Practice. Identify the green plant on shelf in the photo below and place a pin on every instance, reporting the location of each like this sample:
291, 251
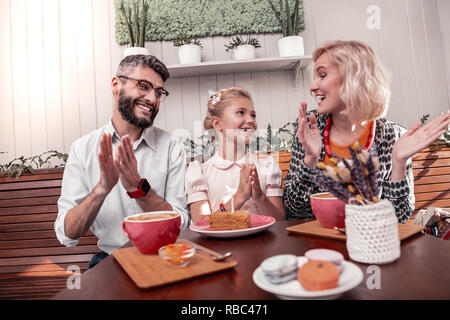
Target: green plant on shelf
239, 41
183, 41
134, 13
20, 165
289, 19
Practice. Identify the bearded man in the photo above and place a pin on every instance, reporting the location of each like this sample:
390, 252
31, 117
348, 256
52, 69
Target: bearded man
126, 167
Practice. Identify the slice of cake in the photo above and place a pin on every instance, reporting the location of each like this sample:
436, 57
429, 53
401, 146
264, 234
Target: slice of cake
226, 220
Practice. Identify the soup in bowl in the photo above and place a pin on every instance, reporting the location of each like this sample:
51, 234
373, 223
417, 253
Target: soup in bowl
329, 210
150, 231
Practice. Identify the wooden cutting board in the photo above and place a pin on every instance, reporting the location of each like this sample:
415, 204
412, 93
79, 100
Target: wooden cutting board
314, 228
150, 271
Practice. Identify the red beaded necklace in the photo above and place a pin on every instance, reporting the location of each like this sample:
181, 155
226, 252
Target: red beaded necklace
326, 136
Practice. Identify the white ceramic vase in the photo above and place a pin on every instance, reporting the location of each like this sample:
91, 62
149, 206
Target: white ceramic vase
189, 54
135, 50
246, 51
291, 46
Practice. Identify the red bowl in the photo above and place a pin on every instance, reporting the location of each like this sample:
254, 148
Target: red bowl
329, 210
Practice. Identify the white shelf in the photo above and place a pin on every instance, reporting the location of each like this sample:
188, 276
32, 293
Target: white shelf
239, 66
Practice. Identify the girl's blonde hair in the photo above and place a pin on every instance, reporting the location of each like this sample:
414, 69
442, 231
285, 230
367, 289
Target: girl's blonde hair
365, 81
220, 100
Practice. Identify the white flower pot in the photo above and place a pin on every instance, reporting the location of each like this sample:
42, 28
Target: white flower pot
189, 54
291, 46
135, 50
246, 51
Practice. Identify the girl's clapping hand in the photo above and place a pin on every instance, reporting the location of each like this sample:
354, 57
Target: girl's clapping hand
244, 190
257, 193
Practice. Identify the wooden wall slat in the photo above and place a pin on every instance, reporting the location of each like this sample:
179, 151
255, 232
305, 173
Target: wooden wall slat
426, 196
431, 180
36, 234
29, 210
432, 187
19, 227
71, 258
47, 251
28, 218
30, 185
38, 268
19, 194
39, 243
32, 177
432, 203
28, 201
431, 172
444, 162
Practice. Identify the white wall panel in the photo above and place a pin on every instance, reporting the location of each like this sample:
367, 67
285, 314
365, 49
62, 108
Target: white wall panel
102, 61
444, 14
58, 58
36, 80
53, 75
6, 86
20, 77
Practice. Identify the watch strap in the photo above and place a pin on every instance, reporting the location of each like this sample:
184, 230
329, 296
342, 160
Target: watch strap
143, 189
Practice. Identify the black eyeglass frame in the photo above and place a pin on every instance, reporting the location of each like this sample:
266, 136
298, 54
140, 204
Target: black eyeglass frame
164, 91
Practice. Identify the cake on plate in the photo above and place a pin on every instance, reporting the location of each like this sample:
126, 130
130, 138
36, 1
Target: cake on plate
226, 220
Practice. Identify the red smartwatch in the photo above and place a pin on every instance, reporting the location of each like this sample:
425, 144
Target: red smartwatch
143, 189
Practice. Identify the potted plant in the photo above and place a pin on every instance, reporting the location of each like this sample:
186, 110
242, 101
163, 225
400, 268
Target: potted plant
135, 18
243, 49
21, 165
276, 143
291, 44
189, 50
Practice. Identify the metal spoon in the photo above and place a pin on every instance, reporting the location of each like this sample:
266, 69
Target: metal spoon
339, 229
215, 257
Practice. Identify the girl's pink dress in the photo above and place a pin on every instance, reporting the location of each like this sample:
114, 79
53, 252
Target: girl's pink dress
208, 180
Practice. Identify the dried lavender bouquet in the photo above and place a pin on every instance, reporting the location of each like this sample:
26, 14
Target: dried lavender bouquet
354, 182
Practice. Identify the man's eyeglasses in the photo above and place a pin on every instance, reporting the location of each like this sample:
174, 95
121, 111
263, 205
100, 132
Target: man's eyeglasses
145, 87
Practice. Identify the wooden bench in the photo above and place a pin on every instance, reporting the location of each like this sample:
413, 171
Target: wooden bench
33, 264
431, 169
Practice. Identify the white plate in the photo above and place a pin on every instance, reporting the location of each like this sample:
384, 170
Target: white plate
258, 223
351, 276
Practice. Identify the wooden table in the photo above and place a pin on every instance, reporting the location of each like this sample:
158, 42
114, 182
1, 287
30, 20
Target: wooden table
422, 272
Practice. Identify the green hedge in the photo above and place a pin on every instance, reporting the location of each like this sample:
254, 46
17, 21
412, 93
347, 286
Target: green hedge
176, 19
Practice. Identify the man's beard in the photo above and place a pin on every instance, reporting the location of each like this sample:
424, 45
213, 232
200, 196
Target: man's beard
126, 108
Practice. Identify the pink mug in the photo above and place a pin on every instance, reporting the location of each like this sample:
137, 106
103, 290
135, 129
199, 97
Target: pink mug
329, 210
151, 230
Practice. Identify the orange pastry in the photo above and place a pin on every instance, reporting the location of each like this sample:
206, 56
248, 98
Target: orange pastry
316, 275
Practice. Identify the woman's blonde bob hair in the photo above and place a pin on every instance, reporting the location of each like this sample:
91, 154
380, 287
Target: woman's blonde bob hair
365, 82
220, 100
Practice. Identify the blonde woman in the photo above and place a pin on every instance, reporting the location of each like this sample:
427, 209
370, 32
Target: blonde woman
256, 182
352, 90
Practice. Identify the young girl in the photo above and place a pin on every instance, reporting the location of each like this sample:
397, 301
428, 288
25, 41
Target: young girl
255, 182
352, 90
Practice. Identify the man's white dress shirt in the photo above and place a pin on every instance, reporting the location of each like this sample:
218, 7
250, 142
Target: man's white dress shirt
161, 160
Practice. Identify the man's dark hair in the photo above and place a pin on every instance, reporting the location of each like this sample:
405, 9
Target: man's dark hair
142, 60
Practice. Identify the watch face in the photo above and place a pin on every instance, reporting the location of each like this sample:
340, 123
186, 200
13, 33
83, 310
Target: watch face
145, 186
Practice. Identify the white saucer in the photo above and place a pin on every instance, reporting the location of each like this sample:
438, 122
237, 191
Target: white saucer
350, 277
